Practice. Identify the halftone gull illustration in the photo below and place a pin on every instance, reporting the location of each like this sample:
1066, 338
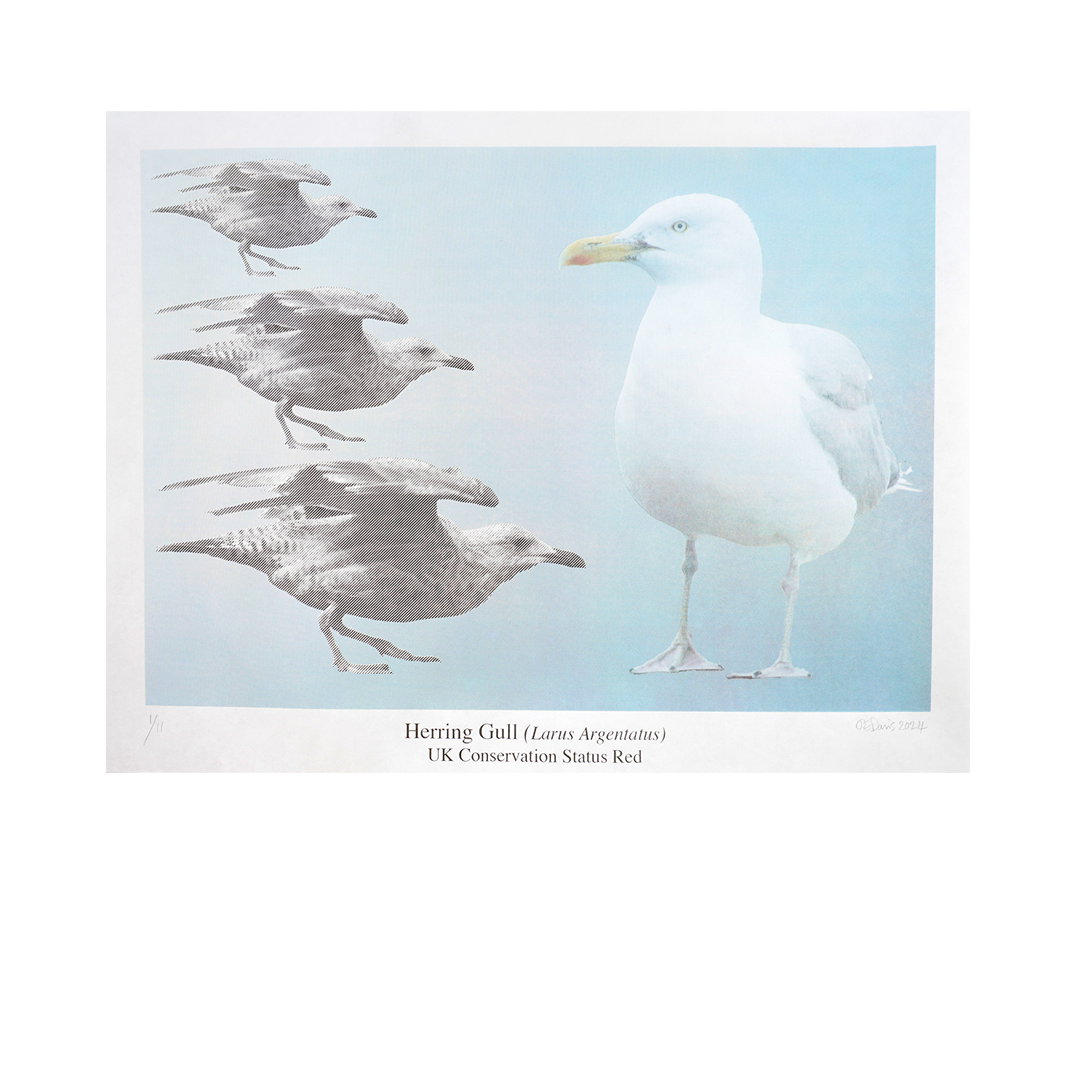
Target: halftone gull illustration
732, 424
308, 347
365, 539
260, 202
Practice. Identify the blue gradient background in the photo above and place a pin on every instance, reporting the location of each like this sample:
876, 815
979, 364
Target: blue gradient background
467, 242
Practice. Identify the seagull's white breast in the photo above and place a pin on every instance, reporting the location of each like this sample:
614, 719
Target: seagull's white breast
711, 433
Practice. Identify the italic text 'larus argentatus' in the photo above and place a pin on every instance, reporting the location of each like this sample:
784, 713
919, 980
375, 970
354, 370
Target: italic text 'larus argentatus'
308, 347
260, 202
365, 539
732, 424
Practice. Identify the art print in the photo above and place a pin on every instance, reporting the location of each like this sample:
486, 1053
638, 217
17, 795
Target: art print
635, 434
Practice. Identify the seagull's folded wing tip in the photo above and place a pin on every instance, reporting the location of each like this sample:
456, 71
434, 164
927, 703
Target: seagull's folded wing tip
566, 558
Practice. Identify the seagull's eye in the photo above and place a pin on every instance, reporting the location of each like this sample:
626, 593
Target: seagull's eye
679, 226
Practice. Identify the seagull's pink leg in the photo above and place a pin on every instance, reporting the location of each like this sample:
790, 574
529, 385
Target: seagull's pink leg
325, 624
269, 261
680, 655
322, 429
245, 251
283, 410
380, 645
783, 668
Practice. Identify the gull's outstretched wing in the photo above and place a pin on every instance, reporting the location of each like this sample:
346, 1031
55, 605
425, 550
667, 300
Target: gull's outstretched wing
298, 309
252, 175
380, 512
349, 487
839, 408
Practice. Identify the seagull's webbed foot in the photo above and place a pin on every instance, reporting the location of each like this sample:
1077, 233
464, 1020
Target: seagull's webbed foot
244, 250
362, 669
384, 648
284, 412
400, 654
330, 433
330, 620
680, 655
380, 645
322, 429
292, 444
780, 670
271, 262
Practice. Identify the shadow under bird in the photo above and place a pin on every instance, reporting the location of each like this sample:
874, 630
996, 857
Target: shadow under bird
308, 348
365, 539
730, 423
260, 202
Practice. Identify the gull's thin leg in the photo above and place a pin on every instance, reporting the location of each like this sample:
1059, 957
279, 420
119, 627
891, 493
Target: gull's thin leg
680, 655
322, 429
283, 411
326, 621
270, 262
245, 251
380, 645
783, 668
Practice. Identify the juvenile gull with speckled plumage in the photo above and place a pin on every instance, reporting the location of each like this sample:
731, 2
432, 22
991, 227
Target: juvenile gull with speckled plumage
260, 202
308, 347
364, 538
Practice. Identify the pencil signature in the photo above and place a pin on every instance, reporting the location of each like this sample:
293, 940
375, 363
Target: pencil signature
872, 723
155, 725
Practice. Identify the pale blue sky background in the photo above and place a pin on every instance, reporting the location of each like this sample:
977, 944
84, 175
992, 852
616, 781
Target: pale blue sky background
467, 243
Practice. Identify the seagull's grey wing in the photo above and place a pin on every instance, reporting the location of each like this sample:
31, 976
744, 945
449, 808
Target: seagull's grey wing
278, 169
252, 175
318, 309
346, 486
219, 303
297, 308
360, 305
260, 309
839, 408
201, 170
270, 477
373, 531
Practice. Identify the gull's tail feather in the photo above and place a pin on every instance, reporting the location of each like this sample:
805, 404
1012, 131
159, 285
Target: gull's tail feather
259, 504
240, 323
200, 547
258, 547
225, 356
187, 209
234, 548
215, 185
221, 303
898, 481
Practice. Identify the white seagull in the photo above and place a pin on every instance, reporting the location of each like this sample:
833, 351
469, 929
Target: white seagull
730, 423
260, 202
308, 348
365, 539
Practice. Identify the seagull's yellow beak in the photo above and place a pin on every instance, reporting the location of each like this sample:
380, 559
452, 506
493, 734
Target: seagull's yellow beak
596, 249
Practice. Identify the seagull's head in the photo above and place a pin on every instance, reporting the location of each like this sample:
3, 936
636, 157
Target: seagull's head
506, 550
686, 239
336, 209
420, 355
